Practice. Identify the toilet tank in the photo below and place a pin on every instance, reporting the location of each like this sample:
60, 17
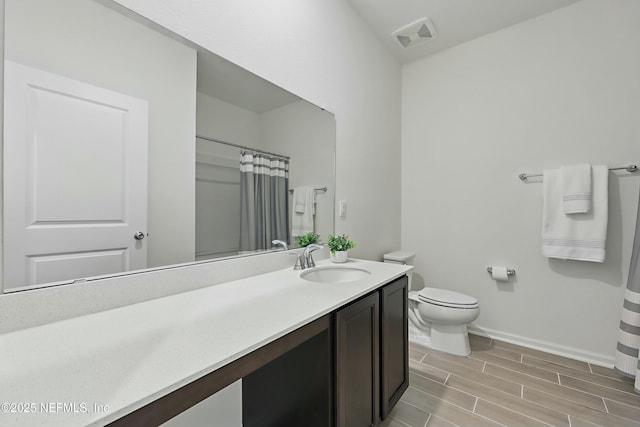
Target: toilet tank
401, 257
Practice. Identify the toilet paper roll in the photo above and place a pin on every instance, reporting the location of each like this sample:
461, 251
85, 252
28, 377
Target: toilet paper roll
499, 273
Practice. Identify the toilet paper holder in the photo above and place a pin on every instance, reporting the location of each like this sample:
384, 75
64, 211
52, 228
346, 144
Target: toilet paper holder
510, 271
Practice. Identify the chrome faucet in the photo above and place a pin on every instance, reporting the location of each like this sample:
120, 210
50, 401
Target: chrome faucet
280, 243
305, 259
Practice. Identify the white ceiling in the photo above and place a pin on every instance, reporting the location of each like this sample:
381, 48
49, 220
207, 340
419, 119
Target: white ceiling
455, 21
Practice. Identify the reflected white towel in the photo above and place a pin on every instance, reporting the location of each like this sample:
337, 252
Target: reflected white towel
578, 237
302, 222
299, 197
577, 192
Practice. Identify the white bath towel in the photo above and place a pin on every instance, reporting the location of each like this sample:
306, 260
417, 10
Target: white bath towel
578, 237
302, 222
577, 194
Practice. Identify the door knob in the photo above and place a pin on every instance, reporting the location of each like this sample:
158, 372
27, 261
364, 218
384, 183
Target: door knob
139, 235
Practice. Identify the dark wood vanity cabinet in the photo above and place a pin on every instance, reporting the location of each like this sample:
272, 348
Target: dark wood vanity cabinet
353, 378
350, 375
371, 351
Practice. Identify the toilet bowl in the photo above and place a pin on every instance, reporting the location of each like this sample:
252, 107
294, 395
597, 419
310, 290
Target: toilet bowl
438, 318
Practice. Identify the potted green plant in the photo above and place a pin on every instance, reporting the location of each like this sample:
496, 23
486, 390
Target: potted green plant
339, 247
307, 239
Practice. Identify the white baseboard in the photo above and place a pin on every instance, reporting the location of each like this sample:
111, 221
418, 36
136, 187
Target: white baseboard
560, 350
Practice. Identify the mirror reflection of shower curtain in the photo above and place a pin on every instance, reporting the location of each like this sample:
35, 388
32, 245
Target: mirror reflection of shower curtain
627, 357
264, 200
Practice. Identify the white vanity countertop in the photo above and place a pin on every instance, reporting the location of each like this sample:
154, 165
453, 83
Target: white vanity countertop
94, 369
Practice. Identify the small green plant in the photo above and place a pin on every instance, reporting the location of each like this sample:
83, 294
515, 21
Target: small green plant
339, 243
307, 239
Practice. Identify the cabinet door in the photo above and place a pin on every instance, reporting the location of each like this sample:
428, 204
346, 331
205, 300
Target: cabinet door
394, 362
357, 363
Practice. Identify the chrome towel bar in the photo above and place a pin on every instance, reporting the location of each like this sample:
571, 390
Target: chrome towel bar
317, 190
628, 168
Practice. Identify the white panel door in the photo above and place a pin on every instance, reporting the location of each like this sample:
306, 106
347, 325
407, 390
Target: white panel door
75, 179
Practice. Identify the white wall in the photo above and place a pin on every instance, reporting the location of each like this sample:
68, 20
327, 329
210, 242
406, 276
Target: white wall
88, 42
563, 88
217, 200
220, 120
305, 133
323, 52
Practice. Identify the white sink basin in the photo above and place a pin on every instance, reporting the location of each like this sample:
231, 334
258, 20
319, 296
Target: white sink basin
335, 274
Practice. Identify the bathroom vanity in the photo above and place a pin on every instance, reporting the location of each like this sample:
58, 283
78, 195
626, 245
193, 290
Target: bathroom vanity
367, 342
347, 368
308, 353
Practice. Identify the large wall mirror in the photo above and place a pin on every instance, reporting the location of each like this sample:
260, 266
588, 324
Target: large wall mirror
127, 148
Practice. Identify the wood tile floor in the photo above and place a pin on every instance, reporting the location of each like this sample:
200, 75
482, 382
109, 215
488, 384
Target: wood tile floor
502, 384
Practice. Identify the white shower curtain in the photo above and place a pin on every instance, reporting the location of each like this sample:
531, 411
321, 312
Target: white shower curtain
264, 200
627, 357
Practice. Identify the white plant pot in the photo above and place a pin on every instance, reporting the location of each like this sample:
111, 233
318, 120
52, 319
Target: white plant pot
339, 256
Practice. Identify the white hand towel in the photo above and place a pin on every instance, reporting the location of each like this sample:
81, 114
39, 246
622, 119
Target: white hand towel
577, 237
299, 195
302, 222
577, 194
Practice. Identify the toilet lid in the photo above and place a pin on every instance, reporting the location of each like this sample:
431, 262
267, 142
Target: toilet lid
399, 256
447, 298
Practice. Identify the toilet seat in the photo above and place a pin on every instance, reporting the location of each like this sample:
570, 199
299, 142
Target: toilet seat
447, 298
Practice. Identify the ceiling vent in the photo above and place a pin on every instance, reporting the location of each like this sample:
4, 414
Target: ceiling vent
416, 33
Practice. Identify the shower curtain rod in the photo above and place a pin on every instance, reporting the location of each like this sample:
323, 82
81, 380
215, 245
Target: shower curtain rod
244, 147
628, 168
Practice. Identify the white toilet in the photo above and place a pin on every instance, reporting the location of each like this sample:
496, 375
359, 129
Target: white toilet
438, 318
